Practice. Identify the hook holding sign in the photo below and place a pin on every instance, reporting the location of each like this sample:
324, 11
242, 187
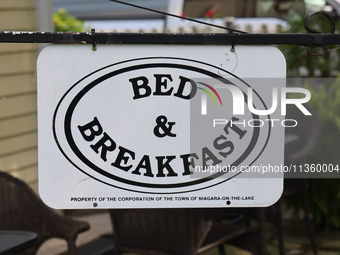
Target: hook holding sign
307, 27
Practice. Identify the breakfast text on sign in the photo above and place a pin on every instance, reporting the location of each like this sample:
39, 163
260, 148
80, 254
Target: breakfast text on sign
106, 144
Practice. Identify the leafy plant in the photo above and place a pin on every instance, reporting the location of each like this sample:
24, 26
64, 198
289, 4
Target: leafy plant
64, 22
324, 194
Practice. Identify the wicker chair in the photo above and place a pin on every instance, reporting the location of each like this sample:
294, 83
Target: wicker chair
21, 209
170, 231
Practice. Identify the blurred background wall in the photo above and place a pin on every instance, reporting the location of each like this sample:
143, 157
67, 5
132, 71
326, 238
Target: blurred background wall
18, 107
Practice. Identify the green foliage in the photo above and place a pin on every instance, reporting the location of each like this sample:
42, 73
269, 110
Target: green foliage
323, 198
324, 194
64, 22
298, 56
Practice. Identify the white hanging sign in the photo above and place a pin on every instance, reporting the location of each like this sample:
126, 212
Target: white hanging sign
160, 126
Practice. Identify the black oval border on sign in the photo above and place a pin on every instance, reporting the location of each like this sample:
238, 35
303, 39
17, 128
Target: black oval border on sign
77, 98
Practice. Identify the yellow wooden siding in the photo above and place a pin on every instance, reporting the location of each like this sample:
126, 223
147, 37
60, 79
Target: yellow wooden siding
18, 143
17, 84
18, 103
18, 20
18, 63
18, 136
17, 47
19, 161
17, 4
18, 126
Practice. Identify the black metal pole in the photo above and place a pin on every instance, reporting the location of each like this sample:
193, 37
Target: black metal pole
164, 38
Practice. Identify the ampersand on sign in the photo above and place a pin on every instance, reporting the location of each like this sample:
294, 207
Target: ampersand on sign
161, 126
